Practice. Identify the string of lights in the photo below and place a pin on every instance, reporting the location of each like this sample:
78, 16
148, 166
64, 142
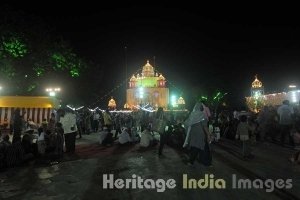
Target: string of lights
99, 99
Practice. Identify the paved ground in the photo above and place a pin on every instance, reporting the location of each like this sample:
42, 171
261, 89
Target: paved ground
81, 176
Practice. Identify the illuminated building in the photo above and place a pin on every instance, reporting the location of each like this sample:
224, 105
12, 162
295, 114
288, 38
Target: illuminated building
147, 88
258, 99
257, 88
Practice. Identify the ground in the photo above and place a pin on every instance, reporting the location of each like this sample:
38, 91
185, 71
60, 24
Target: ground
81, 176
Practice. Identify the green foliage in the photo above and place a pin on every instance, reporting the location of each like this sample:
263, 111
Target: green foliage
39, 71
31, 87
14, 47
60, 62
68, 61
74, 72
212, 99
30, 54
7, 70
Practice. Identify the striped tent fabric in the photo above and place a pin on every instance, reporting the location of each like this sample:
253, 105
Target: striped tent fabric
36, 114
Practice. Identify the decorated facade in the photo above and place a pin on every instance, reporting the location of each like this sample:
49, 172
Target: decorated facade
258, 98
147, 88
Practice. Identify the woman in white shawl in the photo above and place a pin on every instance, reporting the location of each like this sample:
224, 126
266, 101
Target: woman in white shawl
197, 137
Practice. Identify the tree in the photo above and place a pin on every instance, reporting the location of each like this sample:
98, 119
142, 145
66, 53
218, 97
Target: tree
31, 54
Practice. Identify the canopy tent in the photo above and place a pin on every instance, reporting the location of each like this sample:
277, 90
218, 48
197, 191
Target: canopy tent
28, 102
35, 108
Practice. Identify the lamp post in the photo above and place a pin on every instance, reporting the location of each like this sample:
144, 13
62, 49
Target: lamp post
52, 91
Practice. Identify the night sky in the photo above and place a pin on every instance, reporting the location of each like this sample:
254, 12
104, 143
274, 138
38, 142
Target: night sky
195, 47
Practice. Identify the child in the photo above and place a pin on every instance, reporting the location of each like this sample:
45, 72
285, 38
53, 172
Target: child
243, 133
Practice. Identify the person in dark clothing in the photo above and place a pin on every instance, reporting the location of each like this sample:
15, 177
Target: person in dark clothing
60, 139
198, 137
17, 128
3, 151
108, 139
164, 136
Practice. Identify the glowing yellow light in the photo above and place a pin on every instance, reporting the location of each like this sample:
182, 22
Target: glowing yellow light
256, 83
181, 101
112, 103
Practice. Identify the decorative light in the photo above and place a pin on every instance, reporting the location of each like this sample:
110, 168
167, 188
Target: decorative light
173, 100
52, 91
256, 83
141, 92
70, 107
112, 103
181, 101
294, 97
93, 110
143, 108
79, 107
126, 106
120, 111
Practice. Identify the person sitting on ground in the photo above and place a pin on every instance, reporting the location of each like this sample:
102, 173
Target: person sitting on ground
124, 137
4, 144
135, 137
27, 147
147, 138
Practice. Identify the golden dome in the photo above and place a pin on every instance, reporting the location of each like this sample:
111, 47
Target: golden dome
126, 106
148, 70
133, 78
161, 77
112, 103
181, 101
256, 83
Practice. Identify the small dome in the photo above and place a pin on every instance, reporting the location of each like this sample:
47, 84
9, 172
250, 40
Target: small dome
126, 106
161, 77
112, 103
133, 78
181, 101
256, 83
148, 70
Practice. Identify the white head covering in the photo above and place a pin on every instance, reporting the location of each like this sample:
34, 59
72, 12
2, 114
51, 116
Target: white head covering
196, 115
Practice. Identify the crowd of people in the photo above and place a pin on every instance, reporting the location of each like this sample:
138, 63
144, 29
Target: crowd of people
190, 132
273, 124
45, 142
